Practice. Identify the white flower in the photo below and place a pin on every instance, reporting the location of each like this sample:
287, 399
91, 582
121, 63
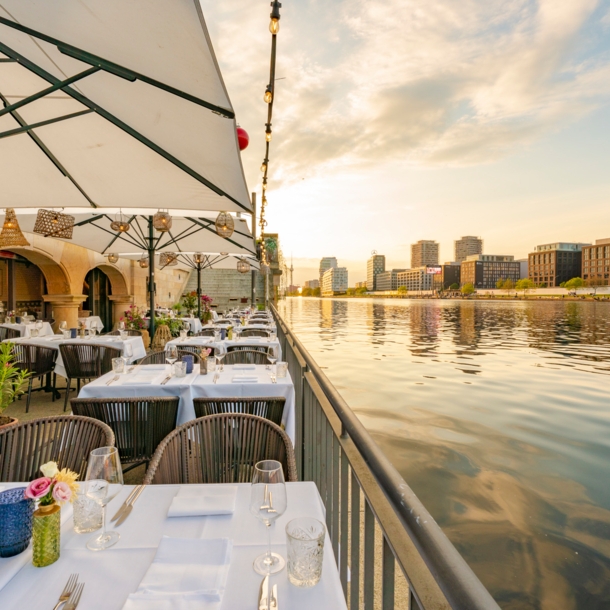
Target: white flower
49, 469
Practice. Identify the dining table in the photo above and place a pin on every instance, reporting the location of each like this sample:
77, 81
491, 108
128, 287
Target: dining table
24, 328
235, 381
137, 346
166, 562
223, 345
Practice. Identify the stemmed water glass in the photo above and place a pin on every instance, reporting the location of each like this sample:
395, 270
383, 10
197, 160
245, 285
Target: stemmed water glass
271, 356
267, 503
127, 353
104, 480
63, 325
93, 328
121, 325
171, 354
219, 356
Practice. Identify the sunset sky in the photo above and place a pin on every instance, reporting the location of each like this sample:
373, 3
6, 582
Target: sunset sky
400, 120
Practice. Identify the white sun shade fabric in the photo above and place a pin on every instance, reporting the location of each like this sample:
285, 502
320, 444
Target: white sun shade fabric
191, 234
151, 124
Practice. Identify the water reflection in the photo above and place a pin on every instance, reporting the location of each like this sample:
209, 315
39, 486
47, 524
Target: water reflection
497, 416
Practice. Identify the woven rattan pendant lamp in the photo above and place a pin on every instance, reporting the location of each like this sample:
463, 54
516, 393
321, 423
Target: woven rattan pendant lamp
11, 234
225, 224
243, 266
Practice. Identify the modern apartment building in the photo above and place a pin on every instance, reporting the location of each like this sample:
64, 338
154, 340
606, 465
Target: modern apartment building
467, 246
326, 263
361, 284
484, 270
423, 253
334, 281
374, 266
415, 280
551, 264
388, 280
449, 275
311, 284
596, 263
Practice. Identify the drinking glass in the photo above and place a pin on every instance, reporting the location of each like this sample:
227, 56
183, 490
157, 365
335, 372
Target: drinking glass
123, 334
183, 335
38, 325
282, 369
179, 369
211, 362
267, 503
104, 481
33, 333
87, 512
219, 357
66, 333
305, 551
118, 366
171, 354
217, 336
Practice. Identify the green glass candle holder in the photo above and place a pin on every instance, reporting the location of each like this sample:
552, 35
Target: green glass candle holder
45, 535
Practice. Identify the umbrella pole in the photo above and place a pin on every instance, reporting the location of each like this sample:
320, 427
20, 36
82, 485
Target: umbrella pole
151, 277
199, 291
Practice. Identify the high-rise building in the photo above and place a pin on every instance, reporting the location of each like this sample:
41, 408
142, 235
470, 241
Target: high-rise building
374, 266
311, 284
415, 280
467, 246
551, 264
361, 284
596, 263
334, 281
484, 270
326, 263
388, 280
423, 253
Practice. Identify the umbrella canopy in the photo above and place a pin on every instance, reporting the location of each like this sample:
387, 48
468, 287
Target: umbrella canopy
114, 104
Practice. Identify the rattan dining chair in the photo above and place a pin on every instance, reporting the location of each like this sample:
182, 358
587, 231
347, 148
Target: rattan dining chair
255, 332
38, 361
160, 357
271, 408
130, 333
65, 439
206, 332
86, 361
139, 424
246, 355
12, 333
220, 449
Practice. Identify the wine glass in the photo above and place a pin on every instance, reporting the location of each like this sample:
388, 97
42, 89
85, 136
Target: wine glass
171, 354
271, 356
104, 480
38, 325
121, 325
219, 356
127, 353
93, 329
267, 503
63, 325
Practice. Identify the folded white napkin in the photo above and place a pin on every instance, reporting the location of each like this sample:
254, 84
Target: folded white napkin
244, 367
245, 379
185, 573
198, 501
143, 378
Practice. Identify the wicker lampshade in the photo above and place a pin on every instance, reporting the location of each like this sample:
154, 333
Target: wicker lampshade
225, 224
113, 258
162, 221
143, 262
11, 234
54, 224
168, 259
243, 266
198, 258
120, 224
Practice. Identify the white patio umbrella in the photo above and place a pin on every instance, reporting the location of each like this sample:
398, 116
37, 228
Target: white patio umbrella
114, 103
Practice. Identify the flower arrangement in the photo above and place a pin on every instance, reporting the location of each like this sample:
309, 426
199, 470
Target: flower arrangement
189, 301
134, 318
206, 301
12, 380
55, 487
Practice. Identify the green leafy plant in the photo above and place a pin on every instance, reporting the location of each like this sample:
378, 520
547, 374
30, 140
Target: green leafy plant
12, 378
175, 325
189, 301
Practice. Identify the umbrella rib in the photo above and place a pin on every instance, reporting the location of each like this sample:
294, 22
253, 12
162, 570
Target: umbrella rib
193, 220
114, 68
43, 147
28, 128
116, 236
26, 63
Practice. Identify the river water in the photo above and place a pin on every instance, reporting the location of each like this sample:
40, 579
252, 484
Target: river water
497, 414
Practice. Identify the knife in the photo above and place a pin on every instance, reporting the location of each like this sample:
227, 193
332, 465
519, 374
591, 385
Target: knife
126, 503
129, 508
274, 605
263, 600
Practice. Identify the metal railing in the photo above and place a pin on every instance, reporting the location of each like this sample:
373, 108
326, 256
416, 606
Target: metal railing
374, 519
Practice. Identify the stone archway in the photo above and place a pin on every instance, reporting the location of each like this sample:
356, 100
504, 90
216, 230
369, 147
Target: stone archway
121, 297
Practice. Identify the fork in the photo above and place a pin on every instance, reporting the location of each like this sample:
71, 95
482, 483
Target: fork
115, 378
75, 597
65, 594
216, 376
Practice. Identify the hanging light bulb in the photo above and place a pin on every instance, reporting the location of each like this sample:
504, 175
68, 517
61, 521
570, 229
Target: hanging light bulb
143, 262
264, 166
268, 97
119, 224
162, 221
113, 257
274, 26
225, 224
268, 136
198, 258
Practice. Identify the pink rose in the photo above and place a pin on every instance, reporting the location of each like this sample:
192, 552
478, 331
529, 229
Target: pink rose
61, 492
38, 488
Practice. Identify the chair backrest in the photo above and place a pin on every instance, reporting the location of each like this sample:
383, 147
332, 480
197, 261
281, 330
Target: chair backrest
3, 330
206, 332
154, 358
12, 333
220, 449
139, 424
270, 408
86, 360
129, 331
65, 439
246, 355
255, 332
36, 359
190, 350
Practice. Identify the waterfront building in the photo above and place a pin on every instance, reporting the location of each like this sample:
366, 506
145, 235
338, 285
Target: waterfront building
596, 263
334, 281
449, 275
415, 280
551, 264
328, 262
374, 266
423, 253
361, 284
467, 246
388, 280
523, 272
484, 270
312, 284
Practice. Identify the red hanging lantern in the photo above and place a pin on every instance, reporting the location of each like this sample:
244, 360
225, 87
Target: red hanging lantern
243, 138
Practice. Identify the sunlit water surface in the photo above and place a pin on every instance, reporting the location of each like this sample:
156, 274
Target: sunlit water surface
498, 417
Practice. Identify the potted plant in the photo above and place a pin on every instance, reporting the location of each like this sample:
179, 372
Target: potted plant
189, 302
176, 308
12, 380
206, 313
134, 320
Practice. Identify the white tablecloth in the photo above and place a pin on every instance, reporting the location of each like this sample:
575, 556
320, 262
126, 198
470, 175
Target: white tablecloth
195, 386
222, 346
137, 346
113, 574
25, 329
88, 321
194, 323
